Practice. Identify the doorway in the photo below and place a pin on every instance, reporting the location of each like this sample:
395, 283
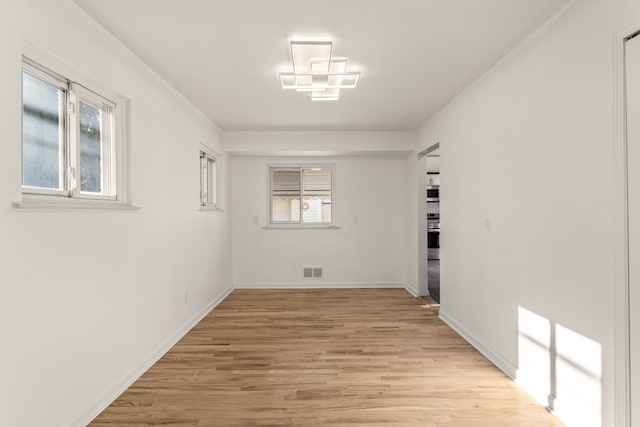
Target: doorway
432, 192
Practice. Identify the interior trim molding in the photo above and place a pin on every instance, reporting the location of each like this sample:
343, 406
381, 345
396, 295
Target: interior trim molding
100, 404
621, 338
504, 365
329, 285
318, 284
428, 150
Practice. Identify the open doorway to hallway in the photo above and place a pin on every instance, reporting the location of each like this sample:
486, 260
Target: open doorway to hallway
432, 193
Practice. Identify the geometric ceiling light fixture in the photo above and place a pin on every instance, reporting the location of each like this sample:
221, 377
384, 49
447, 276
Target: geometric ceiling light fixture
316, 71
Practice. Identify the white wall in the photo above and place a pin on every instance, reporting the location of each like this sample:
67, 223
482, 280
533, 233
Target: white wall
327, 143
368, 253
86, 298
529, 147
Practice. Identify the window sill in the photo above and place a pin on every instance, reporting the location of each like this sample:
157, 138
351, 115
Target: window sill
54, 203
299, 227
210, 208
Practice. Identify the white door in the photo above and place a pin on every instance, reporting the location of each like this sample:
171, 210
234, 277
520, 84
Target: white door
633, 142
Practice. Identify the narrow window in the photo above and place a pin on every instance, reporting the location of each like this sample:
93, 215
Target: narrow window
207, 179
301, 195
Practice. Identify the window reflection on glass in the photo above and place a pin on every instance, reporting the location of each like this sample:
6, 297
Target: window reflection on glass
316, 210
42, 133
90, 148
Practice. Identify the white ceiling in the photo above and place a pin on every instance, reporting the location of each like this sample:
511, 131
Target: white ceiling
414, 55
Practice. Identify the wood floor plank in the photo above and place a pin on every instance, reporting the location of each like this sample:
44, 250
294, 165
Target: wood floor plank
348, 357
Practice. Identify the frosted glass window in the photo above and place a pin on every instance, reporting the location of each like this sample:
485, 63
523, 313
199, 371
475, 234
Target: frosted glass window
68, 137
91, 145
43, 129
96, 150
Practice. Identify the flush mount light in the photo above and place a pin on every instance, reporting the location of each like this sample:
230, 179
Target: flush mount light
317, 72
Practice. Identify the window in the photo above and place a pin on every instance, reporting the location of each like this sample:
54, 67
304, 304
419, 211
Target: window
301, 195
69, 144
207, 179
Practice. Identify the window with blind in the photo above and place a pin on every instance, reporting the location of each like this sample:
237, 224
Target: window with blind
301, 195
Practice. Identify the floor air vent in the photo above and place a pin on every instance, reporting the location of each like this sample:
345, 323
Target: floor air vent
312, 273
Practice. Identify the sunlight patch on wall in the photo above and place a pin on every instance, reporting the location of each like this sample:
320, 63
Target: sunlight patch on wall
578, 379
561, 369
534, 346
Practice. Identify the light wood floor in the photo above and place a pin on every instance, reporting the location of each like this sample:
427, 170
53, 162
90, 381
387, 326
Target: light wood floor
353, 357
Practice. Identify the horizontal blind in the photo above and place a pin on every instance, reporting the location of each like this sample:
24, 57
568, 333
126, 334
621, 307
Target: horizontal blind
285, 182
317, 182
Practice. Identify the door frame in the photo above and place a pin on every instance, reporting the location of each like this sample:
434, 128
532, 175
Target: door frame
621, 357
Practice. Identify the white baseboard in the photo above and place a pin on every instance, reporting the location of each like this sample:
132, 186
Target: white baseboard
505, 366
413, 291
107, 398
318, 284
328, 285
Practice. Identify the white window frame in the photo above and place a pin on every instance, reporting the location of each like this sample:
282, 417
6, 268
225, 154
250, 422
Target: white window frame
300, 224
62, 84
208, 178
77, 88
108, 155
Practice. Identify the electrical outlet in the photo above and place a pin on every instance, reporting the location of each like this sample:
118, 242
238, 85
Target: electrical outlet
186, 297
256, 219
